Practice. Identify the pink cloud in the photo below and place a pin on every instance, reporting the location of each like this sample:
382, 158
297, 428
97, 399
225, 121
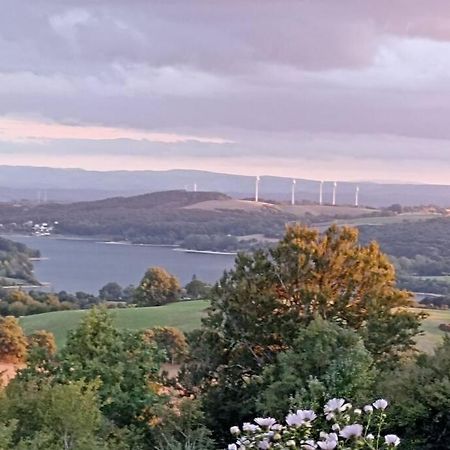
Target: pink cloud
27, 129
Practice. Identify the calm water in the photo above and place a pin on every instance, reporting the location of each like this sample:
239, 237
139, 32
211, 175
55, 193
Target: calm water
87, 265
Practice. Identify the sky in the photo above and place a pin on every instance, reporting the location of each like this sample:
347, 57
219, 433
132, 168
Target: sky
324, 89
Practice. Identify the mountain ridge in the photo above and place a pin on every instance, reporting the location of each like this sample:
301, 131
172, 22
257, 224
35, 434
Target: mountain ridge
39, 184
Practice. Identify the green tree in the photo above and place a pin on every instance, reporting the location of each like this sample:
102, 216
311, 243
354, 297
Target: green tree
258, 308
125, 366
197, 289
182, 428
121, 360
111, 291
158, 287
53, 417
13, 343
420, 396
169, 339
325, 361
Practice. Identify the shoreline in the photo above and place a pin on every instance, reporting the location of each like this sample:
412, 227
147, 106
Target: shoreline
204, 252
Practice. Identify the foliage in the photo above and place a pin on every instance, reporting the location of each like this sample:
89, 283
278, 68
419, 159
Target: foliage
13, 343
15, 264
325, 361
339, 426
111, 291
181, 428
123, 364
197, 289
258, 307
158, 287
44, 340
52, 417
169, 339
420, 393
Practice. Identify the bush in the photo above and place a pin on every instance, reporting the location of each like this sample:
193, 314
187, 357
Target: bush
44, 340
339, 425
325, 361
169, 339
13, 343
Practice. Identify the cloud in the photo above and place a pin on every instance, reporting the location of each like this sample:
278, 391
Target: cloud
225, 81
24, 130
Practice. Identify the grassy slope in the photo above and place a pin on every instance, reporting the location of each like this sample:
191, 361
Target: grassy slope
185, 315
433, 336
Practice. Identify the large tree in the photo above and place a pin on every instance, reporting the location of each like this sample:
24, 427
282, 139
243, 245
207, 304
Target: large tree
258, 308
158, 287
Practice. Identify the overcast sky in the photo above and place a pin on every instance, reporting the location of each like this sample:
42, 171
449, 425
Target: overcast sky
348, 89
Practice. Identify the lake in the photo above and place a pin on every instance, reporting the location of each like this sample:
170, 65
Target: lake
86, 265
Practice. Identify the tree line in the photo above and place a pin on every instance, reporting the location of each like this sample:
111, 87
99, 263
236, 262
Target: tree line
158, 287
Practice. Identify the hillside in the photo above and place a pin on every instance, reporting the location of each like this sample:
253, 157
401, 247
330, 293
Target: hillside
169, 217
15, 264
184, 315
68, 185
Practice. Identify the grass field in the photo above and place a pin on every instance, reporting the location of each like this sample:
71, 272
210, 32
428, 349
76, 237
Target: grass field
184, 315
433, 336
382, 220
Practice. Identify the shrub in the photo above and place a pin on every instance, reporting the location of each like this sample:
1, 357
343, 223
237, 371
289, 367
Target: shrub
338, 426
13, 343
445, 327
169, 339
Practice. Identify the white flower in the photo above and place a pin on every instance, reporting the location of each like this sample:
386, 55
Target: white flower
330, 416
380, 404
277, 427
370, 437
329, 444
351, 431
392, 439
294, 420
232, 447
309, 445
290, 443
265, 422
235, 430
336, 427
329, 441
357, 411
264, 445
335, 404
249, 427
308, 415
301, 417
368, 409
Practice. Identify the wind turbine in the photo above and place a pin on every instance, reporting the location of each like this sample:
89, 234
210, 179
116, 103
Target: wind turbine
321, 193
334, 192
357, 196
257, 189
294, 182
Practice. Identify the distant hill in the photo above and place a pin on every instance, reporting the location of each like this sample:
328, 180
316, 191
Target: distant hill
169, 217
69, 185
